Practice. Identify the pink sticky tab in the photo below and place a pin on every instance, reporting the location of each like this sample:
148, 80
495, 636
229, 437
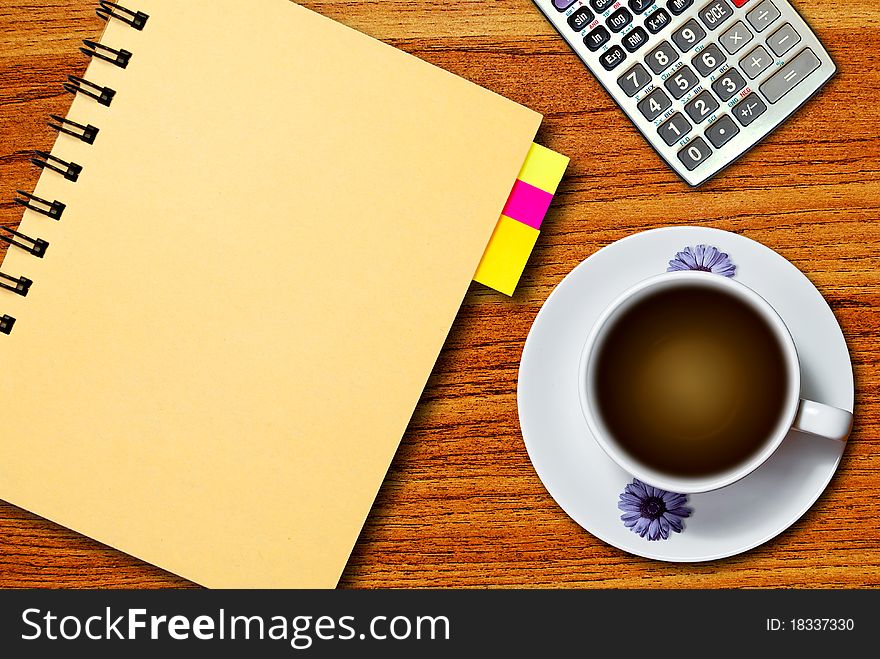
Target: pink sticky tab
528, 204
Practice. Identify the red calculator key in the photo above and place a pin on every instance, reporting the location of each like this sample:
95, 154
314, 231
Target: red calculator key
739, 3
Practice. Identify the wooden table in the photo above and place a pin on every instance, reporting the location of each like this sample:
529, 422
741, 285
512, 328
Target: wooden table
461, 505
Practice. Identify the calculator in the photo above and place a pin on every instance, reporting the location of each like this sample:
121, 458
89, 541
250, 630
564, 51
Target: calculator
703, 81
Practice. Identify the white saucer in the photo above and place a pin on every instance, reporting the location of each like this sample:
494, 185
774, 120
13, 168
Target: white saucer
586, 483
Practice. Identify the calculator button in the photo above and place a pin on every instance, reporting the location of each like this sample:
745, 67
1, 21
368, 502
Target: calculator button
728, 85
640, 6
654, 104
755, 62
612, 58
674, 129
790, 75
736, 38
762, 16
662, 57
634, 80
715, 13
681, 82
702, 107
580, 19
722, 131
749, 109
657, 21
783, 40
709, 59
694, 153
619, 20
677, 7
634, 39
688, 36
601, 5
562, 5
597, 38
739, 3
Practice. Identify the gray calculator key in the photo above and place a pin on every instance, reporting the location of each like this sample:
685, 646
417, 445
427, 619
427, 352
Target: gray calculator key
662, 57
674, 128
715, 13
688, 35
634, 80
681, 82
736, 38
654, 104
749, 109
755, 62
790, 75
783, 40
694, 153
708, 59
762, 16
722, 131
701, 107
728, 85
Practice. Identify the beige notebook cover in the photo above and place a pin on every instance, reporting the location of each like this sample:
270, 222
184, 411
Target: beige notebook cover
244, 298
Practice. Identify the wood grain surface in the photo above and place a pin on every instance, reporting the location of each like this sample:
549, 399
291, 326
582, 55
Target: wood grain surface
461, 505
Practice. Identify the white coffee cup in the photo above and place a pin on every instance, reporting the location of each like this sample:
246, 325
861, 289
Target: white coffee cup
826, 422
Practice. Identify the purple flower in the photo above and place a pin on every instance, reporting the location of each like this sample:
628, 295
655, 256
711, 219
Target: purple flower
652, 512
703, 258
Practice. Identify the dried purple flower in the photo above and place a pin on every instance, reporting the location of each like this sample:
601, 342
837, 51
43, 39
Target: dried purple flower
652, 512
703, 258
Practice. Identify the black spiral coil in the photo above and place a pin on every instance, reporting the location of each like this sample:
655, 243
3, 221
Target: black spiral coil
71, 171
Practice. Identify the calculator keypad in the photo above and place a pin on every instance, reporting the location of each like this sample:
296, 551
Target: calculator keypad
696, 75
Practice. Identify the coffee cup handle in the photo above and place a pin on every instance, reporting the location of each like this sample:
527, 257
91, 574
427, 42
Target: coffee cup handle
823, 420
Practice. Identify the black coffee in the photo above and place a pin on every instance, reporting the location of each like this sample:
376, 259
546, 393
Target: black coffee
690, 381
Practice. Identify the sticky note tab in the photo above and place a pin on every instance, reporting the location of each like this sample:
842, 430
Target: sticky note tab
506, 256
544, 168
528, 204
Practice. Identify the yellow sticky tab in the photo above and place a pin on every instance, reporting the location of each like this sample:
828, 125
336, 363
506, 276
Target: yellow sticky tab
506, 256
544, 168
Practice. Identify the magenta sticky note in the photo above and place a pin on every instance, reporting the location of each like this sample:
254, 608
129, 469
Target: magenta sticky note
528, 204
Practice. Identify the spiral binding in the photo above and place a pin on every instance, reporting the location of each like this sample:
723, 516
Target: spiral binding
71, 171
120, 58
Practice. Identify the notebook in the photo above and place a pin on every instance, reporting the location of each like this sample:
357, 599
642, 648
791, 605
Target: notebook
256, 264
